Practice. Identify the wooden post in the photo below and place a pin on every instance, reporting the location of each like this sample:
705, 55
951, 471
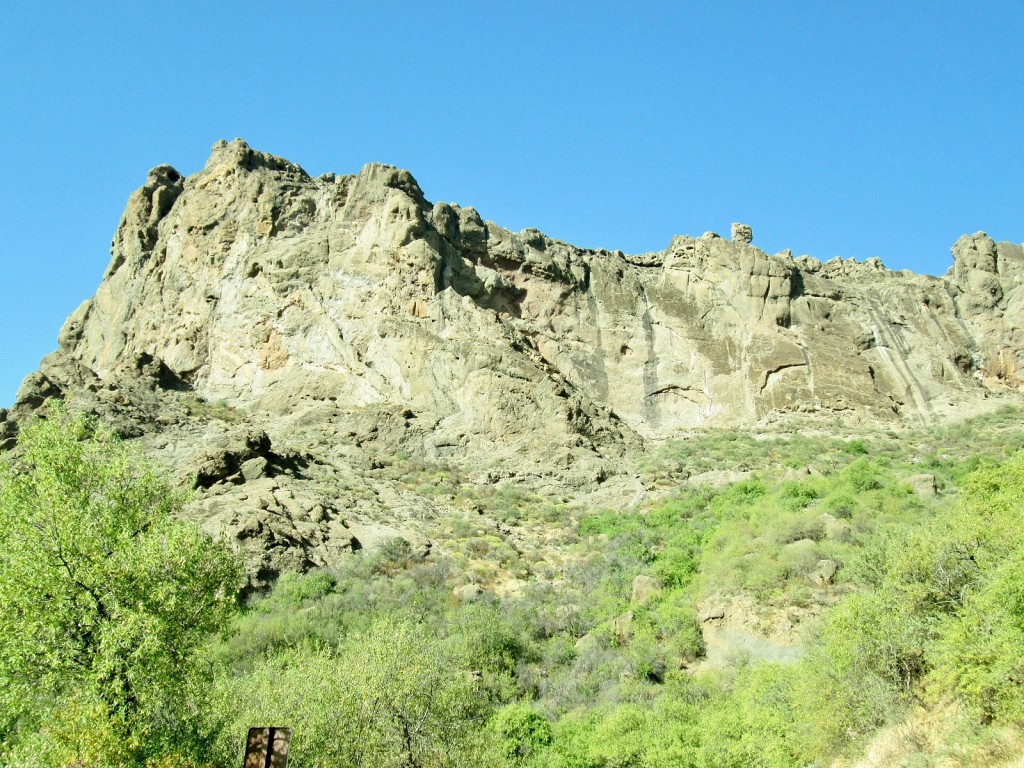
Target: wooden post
267, 748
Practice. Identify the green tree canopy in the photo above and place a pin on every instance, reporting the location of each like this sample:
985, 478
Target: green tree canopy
393, 696
104, 593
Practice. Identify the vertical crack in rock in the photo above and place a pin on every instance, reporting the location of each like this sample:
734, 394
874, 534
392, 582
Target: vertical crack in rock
353, 321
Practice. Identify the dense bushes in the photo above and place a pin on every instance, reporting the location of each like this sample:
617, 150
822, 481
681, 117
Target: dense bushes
105, 598
389, 696
377, 663
932, 609
935, 609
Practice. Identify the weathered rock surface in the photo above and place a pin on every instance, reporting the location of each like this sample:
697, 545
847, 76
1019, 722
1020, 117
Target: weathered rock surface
742, 233
277, 338
643, 587
924, 484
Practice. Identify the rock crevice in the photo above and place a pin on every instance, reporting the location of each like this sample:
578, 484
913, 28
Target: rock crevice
321, 307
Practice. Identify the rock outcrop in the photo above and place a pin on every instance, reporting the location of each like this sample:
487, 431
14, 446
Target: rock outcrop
344, 319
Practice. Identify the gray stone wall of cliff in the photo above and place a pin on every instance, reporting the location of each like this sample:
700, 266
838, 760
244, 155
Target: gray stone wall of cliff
342, 317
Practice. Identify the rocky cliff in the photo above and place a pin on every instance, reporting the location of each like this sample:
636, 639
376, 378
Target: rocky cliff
279, 339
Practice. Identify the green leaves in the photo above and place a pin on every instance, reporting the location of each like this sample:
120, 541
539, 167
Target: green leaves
945, 615
521, 731
980, 656
374, 664
392, 696
105, 595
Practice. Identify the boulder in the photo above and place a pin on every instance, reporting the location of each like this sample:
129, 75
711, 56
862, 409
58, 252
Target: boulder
742, 233
643, 587
622, 627
834, 528
254, 468
470, 593
923, 484
825, 573
712, 613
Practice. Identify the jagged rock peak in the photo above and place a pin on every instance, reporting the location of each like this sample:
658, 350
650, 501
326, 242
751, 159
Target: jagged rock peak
251, 276
346, 318
238, 154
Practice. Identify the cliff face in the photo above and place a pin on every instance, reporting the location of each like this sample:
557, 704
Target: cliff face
347, 317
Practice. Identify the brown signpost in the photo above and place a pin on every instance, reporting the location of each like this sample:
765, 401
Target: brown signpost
267, 748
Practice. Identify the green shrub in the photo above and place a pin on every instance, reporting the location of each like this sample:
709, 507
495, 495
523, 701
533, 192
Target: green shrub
396, 554
297, 589
981, 654
610, 523
796, 527
840, 503
391, 696
676, 564
797, 495
863, 475
521, 731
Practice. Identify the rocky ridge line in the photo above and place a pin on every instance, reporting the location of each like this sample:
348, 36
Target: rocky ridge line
284, 337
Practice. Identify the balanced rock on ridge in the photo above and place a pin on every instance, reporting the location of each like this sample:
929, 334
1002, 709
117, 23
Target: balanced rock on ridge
742, 233
350, 320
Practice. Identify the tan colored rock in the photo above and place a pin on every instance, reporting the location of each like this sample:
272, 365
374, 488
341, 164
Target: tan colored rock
622, 627
713, 612
253, 469
644, 587
354, 321
742, 233
585, 643
252, 273
470, 593
988, 277
835, 529
825, 573
924, 484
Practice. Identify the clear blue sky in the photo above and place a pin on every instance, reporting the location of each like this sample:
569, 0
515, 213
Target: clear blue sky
856, 129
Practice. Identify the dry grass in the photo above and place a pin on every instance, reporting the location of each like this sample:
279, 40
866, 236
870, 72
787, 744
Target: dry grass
941, 737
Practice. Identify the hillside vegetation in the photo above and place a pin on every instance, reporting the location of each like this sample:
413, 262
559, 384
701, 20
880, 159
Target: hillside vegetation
833, 593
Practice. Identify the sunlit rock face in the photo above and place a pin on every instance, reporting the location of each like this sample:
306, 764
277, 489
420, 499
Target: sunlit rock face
349, 317
257, 284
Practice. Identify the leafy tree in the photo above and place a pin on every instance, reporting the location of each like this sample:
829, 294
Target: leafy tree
975, 575
521, 731
981, 656
390, 697
106, 595
756, 724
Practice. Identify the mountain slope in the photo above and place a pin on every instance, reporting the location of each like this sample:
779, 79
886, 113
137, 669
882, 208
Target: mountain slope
282, 338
